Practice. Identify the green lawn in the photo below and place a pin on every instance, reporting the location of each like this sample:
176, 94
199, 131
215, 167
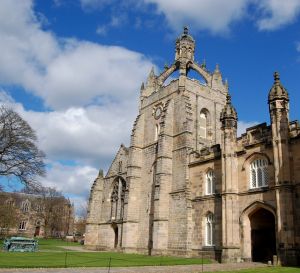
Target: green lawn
51, 244
51, 254
54, 244
86, 259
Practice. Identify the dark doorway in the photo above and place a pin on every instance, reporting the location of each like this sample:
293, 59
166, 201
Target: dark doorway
37, 231
263, 239
116, 230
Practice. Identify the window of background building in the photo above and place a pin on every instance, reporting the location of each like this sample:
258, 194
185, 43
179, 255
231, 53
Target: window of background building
25, 206
22, 225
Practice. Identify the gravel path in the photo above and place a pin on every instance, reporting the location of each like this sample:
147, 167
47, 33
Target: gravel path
144, 269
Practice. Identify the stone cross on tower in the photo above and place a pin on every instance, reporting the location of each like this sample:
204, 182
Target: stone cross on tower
185, 48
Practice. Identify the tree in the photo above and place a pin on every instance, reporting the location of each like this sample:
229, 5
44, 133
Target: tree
80, 221
19, 154
56, 212
8, 215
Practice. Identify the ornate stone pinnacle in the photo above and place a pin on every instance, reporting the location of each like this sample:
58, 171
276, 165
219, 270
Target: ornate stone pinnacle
276, 77
185, 30
228, 99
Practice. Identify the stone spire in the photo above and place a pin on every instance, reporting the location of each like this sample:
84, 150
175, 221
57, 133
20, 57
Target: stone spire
228, 116
185, 48
278, 91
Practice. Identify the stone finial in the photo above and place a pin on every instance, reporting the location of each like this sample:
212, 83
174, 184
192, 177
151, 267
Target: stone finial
142, 86
278, 91
228, 116
151, 78
185, 47
217, 69
185, 30
100, 174
276, 78
226, 85
228, 99
151, 74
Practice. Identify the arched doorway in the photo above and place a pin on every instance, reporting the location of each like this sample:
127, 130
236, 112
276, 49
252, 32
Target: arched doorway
37, 229
263, 239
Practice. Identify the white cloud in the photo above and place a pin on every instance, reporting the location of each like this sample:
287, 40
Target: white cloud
77, 141
77, 180
63, 72
88, 135
215, 15
101, 30
115, 22
92, 90
89, 70
218, 15
277, 13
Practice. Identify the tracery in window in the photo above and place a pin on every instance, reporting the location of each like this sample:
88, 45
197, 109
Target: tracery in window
10, 203
25, 206
39, 208
22, 225
258, 173
119, 197
209, 230
210, 182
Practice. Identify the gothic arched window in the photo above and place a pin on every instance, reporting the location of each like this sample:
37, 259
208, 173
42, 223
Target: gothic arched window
209, 229
204, 124
210, 182
118, 197
258, 173
22, 225
25, 206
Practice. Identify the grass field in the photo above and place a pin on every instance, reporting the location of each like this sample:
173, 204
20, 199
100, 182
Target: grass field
54, 244
87, 259
51, 254
51, 244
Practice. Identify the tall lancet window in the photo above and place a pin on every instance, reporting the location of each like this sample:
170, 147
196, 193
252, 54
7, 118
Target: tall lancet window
118, 199
210, 182
209, 229
204, 120
258, 173
157, 132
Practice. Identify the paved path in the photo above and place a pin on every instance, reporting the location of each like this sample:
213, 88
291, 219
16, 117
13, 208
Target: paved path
144, 269
77, 248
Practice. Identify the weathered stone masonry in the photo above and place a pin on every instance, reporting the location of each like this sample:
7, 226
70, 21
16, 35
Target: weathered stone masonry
188, 185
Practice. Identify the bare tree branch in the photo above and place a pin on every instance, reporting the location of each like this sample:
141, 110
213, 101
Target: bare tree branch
19, 155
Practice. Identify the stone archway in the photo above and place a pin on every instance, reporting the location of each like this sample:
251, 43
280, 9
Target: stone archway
257, 219
263, 239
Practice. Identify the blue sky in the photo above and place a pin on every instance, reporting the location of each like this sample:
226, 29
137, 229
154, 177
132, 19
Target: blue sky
73, 68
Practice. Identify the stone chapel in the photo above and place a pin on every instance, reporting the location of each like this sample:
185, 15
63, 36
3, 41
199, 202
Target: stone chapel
188, 185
